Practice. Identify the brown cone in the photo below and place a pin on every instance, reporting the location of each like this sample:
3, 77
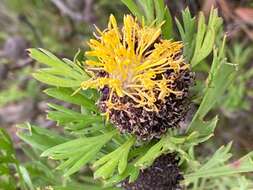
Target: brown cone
164, 174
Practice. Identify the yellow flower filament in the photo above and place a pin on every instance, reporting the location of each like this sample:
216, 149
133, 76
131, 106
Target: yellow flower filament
131, 66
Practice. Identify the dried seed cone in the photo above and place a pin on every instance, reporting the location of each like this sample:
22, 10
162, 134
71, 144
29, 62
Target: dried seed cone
152, 124
164, 174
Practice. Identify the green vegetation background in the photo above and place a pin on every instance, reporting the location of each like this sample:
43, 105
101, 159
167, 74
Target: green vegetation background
63, 27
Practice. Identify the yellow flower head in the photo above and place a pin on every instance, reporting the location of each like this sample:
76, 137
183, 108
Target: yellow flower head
134, 59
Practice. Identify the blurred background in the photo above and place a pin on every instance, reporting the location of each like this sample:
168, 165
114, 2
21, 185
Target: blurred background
63, 27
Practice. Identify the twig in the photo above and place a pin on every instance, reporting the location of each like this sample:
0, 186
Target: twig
67, 11
25, 20
85, 16
22, 63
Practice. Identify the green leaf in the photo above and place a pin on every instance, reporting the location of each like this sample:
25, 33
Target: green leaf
131, 171
63, 118
203, 128
220, 81
240, 54
60, 73
167, 27
86, 128
10, 168
76, 153
67, 95
119, 157
64, 110
45, 57
243, 165
66, 68
55, 80
160, 11
26, 177
166, 144
220, 77
40, 138
84, 186
133, 8
205, 37
220, 156
5, 141
187, 32
148, 7
83, 160
154, 152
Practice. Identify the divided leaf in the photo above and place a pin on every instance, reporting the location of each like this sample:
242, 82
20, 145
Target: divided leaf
167, 144
67, 95
205, 37
155, 11
105, 166
187, 32
61, 73
76, 153
217, 167
220, 77
40, 138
